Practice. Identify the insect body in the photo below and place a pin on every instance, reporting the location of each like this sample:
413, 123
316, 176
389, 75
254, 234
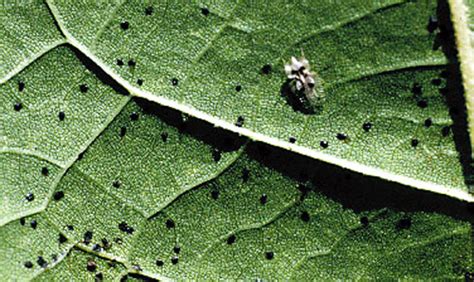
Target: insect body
305, 85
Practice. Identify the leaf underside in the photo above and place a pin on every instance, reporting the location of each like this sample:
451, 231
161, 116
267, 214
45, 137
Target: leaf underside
131, 187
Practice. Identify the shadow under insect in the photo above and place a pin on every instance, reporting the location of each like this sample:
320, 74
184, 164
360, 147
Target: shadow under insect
298, 100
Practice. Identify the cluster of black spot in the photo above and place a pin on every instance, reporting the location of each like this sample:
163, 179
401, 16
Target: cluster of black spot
269, 255
292, 140
364, 221
428, 122
123, 131
215, 194
367, 126
305, 216
216, 154
91, 265
83, 88
263, 199
58, 195
123, 226
124, 25
134, 116
404, 223
41, 262
21, 86
44, 171
61, 116
432, 24
88, 237
62, 238
170, 223
324, 144
164, 136
149, 11
341, 136
17, 107
231, 239
33, 224
245, 175
29, 197
266, 69
174, 82
205, 11
414, 143
238, 88
240, 121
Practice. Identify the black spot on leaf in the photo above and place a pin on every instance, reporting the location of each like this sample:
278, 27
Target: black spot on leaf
140, 82
131, 63
245, 175
216, 154
119, 62
238, 88
164, 136
44, 171
231, 239
263, 199
22, 221
124, 25
324, 144
404, 223
99, 277
41, 262
414, 142
96, 248
134, 116
149, 11
123, 226
83, 88
215, 194
159, 262
417, 89
88, 237
28, 264
364, 221
91, 265
106, 244
266, 69
205, 11
240, 121
341, 136
58, 195
292, 140
174, 82
174, 260
62, 238
61, 116
33, 224
17, 107
21, 86
29, 197
305, 216
70, 227
123, 131
176, 249
428, 122
170, 223
367, 126
269, 255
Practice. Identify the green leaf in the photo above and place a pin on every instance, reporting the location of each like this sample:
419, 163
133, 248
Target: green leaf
379, 62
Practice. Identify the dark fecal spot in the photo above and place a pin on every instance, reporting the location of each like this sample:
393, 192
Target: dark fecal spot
445, 131
33, 224
170, 223
116, 183
159, 262
83, 88
245, 174
324, 144
176, 249
140, 82
174, 260
428, 122
292, 140
134, 116
414, 142
96, 248
240, 121
205, 11
149, 10
123, 131
99, 277
70, 228
131, 63
266, 69
30, 197
123, 226
404, 223
238, 88
216, 154
164, 136
367, 126
41, 262
124, 25
62, 238
305, 216
422, 104
231, 239
263, 199
61, 116
416, 89
119, 62
106, 244
88, 237
364, 221
432, 24
22, 221
91, 265
21, 86
44, 171
436, 81
28, 264
174, 81
269, 255
341, 136
58, 195
17, 107
215, 194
